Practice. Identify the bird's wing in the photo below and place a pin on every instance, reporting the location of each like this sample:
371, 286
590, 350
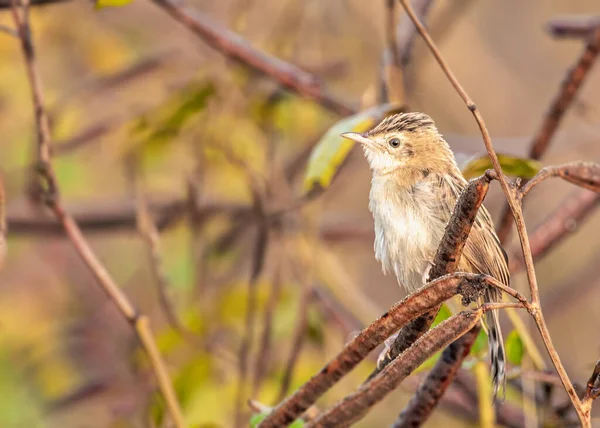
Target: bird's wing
483, 252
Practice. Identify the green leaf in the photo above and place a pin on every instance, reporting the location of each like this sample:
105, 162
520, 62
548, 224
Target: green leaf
257, 418
100, 4
514, 166
442, 315
158, 128
514, 348
480, 345
331, 150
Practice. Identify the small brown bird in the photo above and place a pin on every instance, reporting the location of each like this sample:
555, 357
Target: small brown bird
416, 183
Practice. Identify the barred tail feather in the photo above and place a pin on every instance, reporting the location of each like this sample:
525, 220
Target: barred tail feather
495, 343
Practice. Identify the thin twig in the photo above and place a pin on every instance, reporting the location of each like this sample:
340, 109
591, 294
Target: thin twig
235, 47
582, 174
258, 261
151, 236
573, 26
569, 88
515, 207
558, 225
139, 322
263, 357
300, 328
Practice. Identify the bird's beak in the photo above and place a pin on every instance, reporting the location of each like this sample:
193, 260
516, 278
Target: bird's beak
359, 138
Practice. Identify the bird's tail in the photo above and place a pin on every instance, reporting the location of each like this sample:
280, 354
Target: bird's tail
495, 343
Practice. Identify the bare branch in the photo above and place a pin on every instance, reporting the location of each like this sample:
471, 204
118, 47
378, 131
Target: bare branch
573, 26
582, 174
568, 90
139, 322
515, 206
150, 234
299, 332
6, 4
467, 284
259, 252
438, 380
355, 406
559, 224
115, 215
235, 47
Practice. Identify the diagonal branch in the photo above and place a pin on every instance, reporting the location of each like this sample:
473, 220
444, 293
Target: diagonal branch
436, 383
356, 405
560, 223
515, 206
233, 46
139, 322
468, 285
569, 88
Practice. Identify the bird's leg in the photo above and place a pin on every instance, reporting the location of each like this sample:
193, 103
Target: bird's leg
387, 347
425, 276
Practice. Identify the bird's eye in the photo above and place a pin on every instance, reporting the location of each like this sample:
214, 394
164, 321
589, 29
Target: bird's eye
394, 142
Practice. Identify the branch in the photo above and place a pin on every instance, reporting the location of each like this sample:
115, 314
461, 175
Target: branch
560, 223
259, 253
515, 206
114, 215
6, 4
445, 262
151, 236
582, 174
434, 386
233, 46
575, 26
139, 322
560, 104
356, 405
468, 285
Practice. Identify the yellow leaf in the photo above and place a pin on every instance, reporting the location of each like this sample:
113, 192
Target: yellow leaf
332, 149
511, 165
111, 3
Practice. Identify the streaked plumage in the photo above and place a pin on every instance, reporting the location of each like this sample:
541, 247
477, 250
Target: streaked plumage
414, 188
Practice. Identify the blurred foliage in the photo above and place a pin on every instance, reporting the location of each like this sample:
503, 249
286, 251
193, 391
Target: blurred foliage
511, 165
514, 348
111, 3
332, 149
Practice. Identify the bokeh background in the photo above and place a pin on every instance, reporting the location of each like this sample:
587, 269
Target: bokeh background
137, 101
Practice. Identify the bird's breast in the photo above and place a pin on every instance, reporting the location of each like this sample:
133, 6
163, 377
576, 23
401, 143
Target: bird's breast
407, 230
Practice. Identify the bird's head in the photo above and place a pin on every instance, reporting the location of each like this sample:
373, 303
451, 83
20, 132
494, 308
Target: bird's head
407, 141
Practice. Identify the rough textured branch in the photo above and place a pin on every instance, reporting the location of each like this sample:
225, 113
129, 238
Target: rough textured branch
434, 386
355, 406
515, 207
235, 47
355, 351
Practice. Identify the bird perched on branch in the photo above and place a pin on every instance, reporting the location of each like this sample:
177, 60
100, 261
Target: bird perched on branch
416, 183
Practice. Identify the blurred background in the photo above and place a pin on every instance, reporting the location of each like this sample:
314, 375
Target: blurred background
151, 123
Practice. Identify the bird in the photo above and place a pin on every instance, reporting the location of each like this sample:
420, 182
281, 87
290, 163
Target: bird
414, 187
